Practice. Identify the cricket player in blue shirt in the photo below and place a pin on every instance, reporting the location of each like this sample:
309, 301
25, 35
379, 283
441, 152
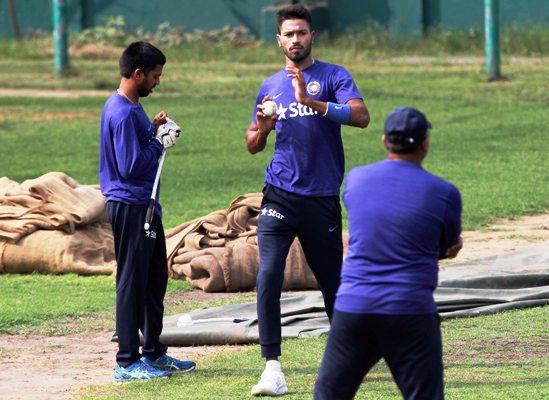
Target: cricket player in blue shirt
402, 220
302, 182
130, 147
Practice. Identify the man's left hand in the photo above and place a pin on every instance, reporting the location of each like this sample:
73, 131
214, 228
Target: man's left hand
168, 133
298, 82
453, 251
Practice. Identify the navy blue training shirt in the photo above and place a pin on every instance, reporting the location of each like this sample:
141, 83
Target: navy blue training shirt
128, 152
308, 158
402, 219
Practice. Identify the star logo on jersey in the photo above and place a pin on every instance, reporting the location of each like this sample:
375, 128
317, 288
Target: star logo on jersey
313, 88
270, 212
294, 110
281, 111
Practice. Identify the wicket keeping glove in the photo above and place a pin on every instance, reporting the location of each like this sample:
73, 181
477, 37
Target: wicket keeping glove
168, 133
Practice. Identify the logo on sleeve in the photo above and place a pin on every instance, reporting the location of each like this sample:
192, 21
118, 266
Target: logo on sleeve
313, 88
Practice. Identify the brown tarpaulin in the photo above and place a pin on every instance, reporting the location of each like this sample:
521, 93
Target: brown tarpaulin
219, 252
52, 224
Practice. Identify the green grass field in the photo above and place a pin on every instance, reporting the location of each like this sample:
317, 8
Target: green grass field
490, 139
494, 357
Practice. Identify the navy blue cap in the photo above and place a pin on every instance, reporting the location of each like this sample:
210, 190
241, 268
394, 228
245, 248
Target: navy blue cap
406, 123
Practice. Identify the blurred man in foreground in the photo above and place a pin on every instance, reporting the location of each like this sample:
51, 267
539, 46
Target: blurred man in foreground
402, 220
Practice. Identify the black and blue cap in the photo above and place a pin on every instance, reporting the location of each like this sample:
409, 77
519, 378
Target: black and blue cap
406, 125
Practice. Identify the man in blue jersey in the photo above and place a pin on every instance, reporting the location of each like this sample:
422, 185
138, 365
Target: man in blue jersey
402, 220
301, 195
130, 147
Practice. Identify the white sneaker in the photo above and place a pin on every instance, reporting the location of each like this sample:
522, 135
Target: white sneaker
271, 383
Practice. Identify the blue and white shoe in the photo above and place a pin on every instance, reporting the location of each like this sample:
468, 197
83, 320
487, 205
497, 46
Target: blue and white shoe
170, 364
137, 371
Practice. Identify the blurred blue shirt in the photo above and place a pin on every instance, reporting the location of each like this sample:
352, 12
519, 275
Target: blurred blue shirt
402, 219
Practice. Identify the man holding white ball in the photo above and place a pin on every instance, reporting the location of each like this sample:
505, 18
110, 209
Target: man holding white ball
306, 103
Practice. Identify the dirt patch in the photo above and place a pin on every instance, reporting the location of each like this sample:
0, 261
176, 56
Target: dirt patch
496, 350
54, 93
67, 93
195, 296
95, 51
504, 236
457, 60
50, 116
55, 367
42, 367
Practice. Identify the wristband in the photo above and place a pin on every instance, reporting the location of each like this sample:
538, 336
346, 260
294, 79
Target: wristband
340, 113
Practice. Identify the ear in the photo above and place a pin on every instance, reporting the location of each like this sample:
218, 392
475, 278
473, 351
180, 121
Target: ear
278, 40
138, 74
313, 35
384, 141
425, 144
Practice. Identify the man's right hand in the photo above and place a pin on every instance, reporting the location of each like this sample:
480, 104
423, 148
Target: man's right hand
264, 123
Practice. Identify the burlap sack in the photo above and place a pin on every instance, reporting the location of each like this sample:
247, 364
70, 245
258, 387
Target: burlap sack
52, 224
219, 252
87, 251
52, 201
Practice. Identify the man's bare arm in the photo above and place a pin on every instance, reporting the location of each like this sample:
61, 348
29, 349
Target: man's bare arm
256, 139
360, 117
257, 133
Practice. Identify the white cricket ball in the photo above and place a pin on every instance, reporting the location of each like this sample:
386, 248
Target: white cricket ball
269, 108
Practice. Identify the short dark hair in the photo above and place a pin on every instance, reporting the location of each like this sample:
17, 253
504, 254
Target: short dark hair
141, 55
294, 11
398, 143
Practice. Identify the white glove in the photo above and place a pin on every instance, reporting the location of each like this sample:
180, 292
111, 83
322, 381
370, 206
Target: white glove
168, 133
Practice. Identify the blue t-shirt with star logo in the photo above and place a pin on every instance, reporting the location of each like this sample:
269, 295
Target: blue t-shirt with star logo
308, 158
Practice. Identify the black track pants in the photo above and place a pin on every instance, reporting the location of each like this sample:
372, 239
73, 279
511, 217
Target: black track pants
141, 281
410, 344
316, 221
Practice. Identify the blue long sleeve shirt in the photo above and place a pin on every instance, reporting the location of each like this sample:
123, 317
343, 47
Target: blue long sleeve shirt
128, 152
402, 219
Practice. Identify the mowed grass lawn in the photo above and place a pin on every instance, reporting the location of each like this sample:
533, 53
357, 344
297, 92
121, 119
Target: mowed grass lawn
499, 357
490, 139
